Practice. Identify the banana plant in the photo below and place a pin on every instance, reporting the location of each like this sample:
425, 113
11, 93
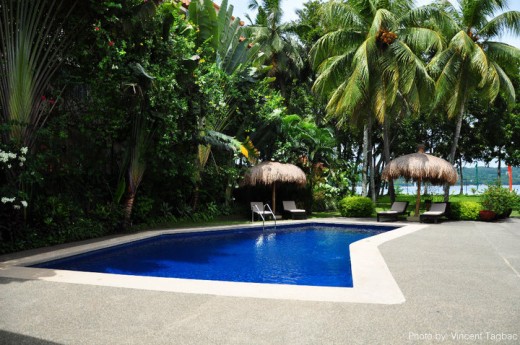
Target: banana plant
232, 55
224, 34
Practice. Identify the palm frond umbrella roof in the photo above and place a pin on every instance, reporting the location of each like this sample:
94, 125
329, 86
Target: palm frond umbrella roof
268, 173
421, 167
271, 173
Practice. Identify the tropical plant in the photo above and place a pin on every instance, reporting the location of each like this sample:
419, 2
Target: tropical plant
498, 199
367, 64
473, 60
278, 47
222, 41
224, 34
32, 42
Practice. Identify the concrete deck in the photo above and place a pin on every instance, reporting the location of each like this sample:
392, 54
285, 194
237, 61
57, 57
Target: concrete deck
461, 282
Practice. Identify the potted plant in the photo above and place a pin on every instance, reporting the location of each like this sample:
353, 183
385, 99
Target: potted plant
498, 202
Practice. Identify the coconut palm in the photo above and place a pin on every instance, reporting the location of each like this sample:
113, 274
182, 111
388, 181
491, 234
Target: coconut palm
366, 62
473, 60
278, 47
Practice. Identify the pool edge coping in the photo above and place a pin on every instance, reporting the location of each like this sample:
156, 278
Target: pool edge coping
373, 280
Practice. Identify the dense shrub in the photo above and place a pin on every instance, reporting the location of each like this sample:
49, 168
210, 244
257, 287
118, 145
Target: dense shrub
465, 210
498, 199
323, 202
356, 206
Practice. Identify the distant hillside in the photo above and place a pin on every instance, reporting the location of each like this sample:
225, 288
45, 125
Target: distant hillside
486, 176
489, 175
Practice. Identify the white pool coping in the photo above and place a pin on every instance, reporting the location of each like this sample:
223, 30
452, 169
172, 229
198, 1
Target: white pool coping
373, 281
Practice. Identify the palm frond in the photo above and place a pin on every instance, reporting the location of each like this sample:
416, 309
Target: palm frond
506, 86
334, 43
503, 54
422, 39
507, 22
383, 19
331, 73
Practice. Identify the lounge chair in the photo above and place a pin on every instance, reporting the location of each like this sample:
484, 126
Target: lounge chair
437, 210
398, 209
290, 210
259, 209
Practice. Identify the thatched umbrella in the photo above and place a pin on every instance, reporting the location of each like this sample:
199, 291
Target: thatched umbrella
421, 167
271, 173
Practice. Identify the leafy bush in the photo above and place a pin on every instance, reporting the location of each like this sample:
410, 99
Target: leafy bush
498, 199
356, 206
323, 202
465, 210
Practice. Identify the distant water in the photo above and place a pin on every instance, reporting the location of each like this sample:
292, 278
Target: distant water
438, 190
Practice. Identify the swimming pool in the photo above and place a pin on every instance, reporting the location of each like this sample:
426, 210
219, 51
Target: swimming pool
311, 254
373, 280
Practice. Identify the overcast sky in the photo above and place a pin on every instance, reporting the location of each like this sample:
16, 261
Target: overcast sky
290, 6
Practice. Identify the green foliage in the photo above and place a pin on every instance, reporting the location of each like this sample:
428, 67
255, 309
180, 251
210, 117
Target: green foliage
356, 206
498, 199
465, 210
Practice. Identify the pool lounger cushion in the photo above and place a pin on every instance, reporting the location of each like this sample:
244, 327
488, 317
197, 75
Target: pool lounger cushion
291, 211
398, 209
436, 211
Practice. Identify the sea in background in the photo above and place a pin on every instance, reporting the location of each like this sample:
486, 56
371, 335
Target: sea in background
469, 189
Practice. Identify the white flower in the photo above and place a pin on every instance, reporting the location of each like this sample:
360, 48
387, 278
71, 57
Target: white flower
9, 166
16, 207
24, 150
22, 159
21, 164
6, 200
24, 203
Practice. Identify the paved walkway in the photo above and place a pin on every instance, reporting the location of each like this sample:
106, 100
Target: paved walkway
461, 281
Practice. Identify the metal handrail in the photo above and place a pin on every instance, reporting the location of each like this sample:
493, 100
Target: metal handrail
274, 217
261, 216
260, 213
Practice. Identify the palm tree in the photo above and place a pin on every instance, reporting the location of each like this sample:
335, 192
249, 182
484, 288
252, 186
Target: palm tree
278, 47
473, 60
366, 63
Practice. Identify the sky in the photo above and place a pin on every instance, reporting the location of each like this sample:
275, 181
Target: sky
290, 7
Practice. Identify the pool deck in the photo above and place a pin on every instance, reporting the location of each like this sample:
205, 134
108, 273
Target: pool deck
460, 281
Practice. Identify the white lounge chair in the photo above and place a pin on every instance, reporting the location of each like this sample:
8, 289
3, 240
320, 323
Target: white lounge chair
437, 210
290, 209
398, 209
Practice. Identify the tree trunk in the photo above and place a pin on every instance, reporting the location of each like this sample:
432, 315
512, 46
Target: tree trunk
358, 160
386, 150
129, 205
371, 161
453, 151
499, 169
364, 177
196, 193
418, 198
461, 178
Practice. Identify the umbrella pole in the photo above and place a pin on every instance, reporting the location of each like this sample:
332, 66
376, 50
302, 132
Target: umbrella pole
418, 201
274, 197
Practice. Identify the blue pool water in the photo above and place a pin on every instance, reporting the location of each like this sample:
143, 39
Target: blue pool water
313, 254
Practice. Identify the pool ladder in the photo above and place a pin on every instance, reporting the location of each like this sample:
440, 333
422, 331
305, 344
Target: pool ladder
261, 214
